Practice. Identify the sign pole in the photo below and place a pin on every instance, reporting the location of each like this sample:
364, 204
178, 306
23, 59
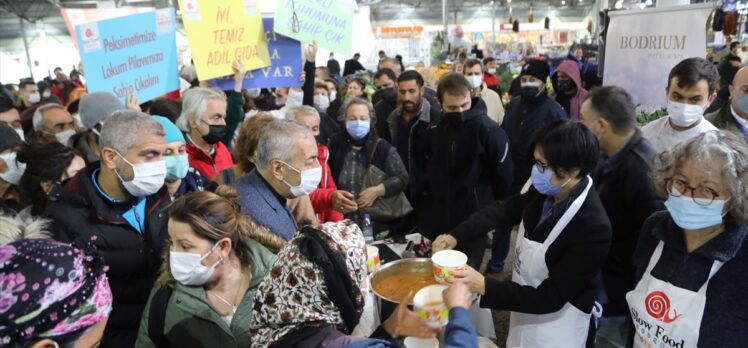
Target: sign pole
26, 46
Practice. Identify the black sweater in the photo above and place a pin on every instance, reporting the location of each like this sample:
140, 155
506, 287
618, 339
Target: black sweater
725, 319
574, 259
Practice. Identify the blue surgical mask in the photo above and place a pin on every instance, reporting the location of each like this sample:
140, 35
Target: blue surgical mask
358, 129
542, 182
689, 215
176, 167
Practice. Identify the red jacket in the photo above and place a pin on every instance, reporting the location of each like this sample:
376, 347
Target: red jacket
205, 164
322, 197
491, 80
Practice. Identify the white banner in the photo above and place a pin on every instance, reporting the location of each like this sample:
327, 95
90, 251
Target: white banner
643, 45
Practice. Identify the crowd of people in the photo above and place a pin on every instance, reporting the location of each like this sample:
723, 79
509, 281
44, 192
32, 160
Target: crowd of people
232, 218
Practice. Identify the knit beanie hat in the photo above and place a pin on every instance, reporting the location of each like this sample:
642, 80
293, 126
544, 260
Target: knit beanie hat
97, 107
172, 132
8, 137
537, 69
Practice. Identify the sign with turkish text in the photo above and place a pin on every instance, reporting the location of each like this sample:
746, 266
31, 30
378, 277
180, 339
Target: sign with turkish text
221, 32
76, 16
643, 45
135, 54
327, 22
285, 64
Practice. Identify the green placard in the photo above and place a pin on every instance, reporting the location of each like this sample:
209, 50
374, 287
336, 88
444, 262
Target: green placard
328, 22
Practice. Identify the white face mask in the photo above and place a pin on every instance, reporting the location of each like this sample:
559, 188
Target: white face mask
34, 98
309, 181
475, 80
333, 95
295, 98
321, 103
253, 92
20, 134
148, 177
46, 94
684, 115
64, 137
187, 268
14, 170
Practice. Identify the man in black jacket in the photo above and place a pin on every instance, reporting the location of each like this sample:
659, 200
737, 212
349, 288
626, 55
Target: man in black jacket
334, 67
624, 184
352, 65
120, 205
384, 100
468, 165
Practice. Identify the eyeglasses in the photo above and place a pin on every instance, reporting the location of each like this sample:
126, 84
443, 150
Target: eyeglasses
701, 195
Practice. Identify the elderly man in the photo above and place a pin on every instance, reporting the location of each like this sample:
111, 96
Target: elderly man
203, 121
287, 167
94, 109
474, 72
120, 205
734, 115
11, 170
54, 119
392, 64
326, 197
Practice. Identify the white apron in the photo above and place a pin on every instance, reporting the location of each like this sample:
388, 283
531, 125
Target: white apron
665, 315
567, 327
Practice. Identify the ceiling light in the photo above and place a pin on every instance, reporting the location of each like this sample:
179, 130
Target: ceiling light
648, 2
491, 2
508, 1
563, 2
618, 4
580, 1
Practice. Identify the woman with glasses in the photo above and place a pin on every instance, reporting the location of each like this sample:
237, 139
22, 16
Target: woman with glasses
563, 241
691, 260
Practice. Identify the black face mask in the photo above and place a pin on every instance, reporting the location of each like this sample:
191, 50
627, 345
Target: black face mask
530, 92
454, 118
215, 134
563, 86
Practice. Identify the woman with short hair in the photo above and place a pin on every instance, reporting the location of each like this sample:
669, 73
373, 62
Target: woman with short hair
691, 260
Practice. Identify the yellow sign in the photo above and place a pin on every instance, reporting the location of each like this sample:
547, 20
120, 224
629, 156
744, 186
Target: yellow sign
222, 31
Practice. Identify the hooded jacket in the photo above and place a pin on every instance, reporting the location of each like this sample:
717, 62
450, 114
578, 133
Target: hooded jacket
469, 166
523, 118
80, 213
191, 322
571, 69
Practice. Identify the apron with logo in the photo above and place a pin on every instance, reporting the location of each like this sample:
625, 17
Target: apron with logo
567, 327
666, 316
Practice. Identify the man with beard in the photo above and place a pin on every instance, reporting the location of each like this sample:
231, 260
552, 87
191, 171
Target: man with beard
384, 100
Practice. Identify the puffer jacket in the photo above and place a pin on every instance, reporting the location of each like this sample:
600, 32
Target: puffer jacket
189, 321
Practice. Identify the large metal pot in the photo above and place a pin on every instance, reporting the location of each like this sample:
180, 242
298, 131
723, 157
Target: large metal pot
399, 267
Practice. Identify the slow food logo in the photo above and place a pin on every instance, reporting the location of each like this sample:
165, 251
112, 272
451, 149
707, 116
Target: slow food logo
657, 304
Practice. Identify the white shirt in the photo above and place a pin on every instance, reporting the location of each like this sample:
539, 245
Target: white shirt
663, 137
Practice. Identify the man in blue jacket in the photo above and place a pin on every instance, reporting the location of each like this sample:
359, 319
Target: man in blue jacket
524, 115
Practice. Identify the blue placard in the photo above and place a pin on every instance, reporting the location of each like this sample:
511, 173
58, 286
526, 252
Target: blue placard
285, 64
136, 54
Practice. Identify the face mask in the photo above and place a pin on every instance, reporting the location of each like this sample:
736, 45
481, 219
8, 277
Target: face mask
187, 268
475, 80
563, 86
34, 98
20, 134
309, 181
215, 133
46, 94
14, 170
530, 90
321, 103
741, 104
333, 95
453, 117
148, 178
253, 92
77, 118
280, 102
358, 129
295, 98
176, 167
684, 115
691, 216
542, 182
64, 137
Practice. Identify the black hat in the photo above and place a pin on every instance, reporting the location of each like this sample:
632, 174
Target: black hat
537, 69
8, 137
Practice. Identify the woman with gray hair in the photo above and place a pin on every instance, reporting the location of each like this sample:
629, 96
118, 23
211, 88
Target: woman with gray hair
354, 151
691, 259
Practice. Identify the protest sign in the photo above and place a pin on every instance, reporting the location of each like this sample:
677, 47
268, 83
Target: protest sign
220, 32
328, 22
134, 54
76, 16
285, 64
